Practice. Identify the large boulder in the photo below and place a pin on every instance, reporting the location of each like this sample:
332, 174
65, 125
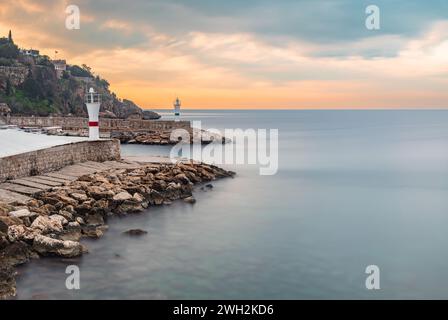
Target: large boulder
50, 224
49, 246
122, 196
21, 232
22, 213
7, 281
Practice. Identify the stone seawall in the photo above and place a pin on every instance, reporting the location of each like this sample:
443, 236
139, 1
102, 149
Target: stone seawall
74, 123
54, 158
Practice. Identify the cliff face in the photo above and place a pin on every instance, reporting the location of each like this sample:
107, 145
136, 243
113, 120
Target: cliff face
30, 85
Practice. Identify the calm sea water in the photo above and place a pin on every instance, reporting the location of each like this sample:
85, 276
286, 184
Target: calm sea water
354, 188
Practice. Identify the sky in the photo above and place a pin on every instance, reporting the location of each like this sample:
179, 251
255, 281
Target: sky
284, 54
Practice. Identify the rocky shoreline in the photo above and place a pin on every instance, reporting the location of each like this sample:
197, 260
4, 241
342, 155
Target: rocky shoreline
53, 223
163, 137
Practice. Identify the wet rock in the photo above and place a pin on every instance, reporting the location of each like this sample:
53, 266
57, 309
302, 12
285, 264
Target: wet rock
94, 232
9, 221
3, 240
21, 232
156, 197
190, 200
34, 203
53, 223
80, 220
95, 220
122, 196
48, 246
138, 197
135, 232
48, 224
61, 219
130, 206
67, 215
182, 178
45, 210
66, 200
5, 209
70, 234
3, 227
79, 196
7, 281
18, 253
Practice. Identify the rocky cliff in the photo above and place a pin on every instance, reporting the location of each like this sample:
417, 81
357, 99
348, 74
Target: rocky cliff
31, 85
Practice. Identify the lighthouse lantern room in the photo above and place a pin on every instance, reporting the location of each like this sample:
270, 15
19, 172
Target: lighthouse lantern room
93, 102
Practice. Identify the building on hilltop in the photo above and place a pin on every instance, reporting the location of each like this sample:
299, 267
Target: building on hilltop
60, 66
30, 52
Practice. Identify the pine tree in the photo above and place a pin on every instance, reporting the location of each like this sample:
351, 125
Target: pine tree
10, 37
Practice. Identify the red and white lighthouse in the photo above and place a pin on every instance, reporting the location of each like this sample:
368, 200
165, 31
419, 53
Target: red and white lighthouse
93, 102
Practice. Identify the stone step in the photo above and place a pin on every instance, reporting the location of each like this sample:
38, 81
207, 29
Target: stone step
31, 184
56, 175
50, 180
7, 196
19, 189
121, 165
40, 180
76, 170
95, 166
148, 159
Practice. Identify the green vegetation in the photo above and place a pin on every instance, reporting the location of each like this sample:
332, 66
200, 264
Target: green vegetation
20, 103
6, 62
8, 49
77, 71
34, 88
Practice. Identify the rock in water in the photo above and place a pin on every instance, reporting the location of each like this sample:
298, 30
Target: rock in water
7, 282
190, 200
48, 246
135, 232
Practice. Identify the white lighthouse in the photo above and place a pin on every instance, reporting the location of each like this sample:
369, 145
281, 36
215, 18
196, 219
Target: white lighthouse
93, 102
177, 109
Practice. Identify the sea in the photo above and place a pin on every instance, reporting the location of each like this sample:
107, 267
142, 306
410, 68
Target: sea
353, 189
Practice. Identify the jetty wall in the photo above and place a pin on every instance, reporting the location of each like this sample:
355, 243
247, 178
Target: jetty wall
54, 158
106, 124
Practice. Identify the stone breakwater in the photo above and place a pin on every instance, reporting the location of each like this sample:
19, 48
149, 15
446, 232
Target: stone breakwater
54, 221
105, 124
163, 137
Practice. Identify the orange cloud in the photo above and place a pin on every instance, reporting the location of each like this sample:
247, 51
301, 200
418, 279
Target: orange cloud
239, 70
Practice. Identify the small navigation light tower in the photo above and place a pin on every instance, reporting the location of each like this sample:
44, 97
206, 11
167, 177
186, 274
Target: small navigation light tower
93, 102
177, 109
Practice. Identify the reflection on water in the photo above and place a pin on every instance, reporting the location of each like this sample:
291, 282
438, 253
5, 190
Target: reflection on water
354, 188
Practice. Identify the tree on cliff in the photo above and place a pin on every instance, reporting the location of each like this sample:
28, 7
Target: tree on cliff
8, 49
77, 71
10, 37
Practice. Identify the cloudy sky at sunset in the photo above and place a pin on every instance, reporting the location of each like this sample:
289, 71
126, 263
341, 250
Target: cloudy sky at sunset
251, 53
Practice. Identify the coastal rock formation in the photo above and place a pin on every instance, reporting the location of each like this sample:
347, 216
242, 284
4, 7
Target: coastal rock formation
36, 85
135, 232
53, 222
163, 137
